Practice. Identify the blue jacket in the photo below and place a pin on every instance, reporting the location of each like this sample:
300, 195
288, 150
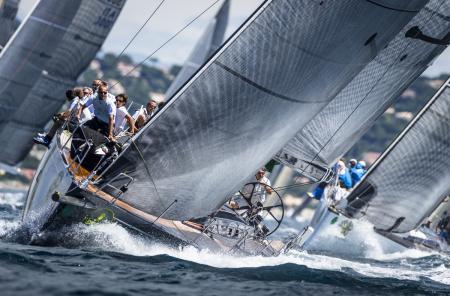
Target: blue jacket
356, 173
346, 179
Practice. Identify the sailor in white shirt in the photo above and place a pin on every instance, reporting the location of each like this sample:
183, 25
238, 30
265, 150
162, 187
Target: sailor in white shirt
255, 192
146, 113
104, 112
122, 115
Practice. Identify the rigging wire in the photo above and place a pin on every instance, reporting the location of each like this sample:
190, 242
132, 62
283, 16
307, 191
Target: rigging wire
141, 28
165, 43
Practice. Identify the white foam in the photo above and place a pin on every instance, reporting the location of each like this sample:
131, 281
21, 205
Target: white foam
13, 199
114, 237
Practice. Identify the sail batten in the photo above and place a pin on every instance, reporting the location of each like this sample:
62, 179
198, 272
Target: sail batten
218, 128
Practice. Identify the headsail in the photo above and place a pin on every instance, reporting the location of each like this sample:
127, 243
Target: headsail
8, 23
210, 41
83, 38
412, 176
340, 124
282, 66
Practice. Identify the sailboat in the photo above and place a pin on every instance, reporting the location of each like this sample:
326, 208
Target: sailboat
200, 149
403, 187
318, 146
47, 68
8, 22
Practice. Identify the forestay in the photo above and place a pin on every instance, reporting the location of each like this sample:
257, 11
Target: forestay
8, 22
340, 124
277, 71
73, 53
412, 177
210, 41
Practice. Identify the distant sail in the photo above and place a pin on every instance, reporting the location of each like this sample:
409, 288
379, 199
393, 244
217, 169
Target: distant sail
412, 177
8, 22
26, 55
84, 37
285, 63
323, 141
210, 41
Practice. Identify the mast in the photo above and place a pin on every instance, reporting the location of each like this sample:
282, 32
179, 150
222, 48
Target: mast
252, 96
83, 38
210, 41
410, 179
342, 122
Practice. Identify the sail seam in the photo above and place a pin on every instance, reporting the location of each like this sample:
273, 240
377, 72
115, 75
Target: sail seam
392, 8
262, 88
39, 20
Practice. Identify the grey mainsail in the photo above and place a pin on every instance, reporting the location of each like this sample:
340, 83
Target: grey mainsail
287, 61
210, 41
26, 55
8, 22
412, 176
340, 124
79, 45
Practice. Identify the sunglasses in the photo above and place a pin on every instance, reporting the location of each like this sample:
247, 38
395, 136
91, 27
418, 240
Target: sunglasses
103, 92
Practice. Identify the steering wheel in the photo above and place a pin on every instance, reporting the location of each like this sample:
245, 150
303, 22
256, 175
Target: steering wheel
257, 210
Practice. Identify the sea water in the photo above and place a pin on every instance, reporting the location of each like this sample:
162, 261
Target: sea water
106, 259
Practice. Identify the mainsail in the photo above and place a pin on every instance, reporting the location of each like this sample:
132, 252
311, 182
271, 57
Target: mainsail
210, 41
287, 61
82, 39
412, 176
8, 23
340, 124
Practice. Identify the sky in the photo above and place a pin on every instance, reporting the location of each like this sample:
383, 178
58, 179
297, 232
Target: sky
174, 15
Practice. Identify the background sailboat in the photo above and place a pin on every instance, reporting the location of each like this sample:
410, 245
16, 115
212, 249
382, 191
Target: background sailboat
411, 178
208, 43
82, 37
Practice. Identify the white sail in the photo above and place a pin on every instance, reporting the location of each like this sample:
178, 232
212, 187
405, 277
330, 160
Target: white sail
71, 55
210, 41
287, 62
26, 55
412, 177
342, 123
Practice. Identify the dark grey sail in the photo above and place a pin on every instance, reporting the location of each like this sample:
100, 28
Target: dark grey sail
79, 45
210, 41
342, 122
26, 55
285, 63
412, 176
8, 22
